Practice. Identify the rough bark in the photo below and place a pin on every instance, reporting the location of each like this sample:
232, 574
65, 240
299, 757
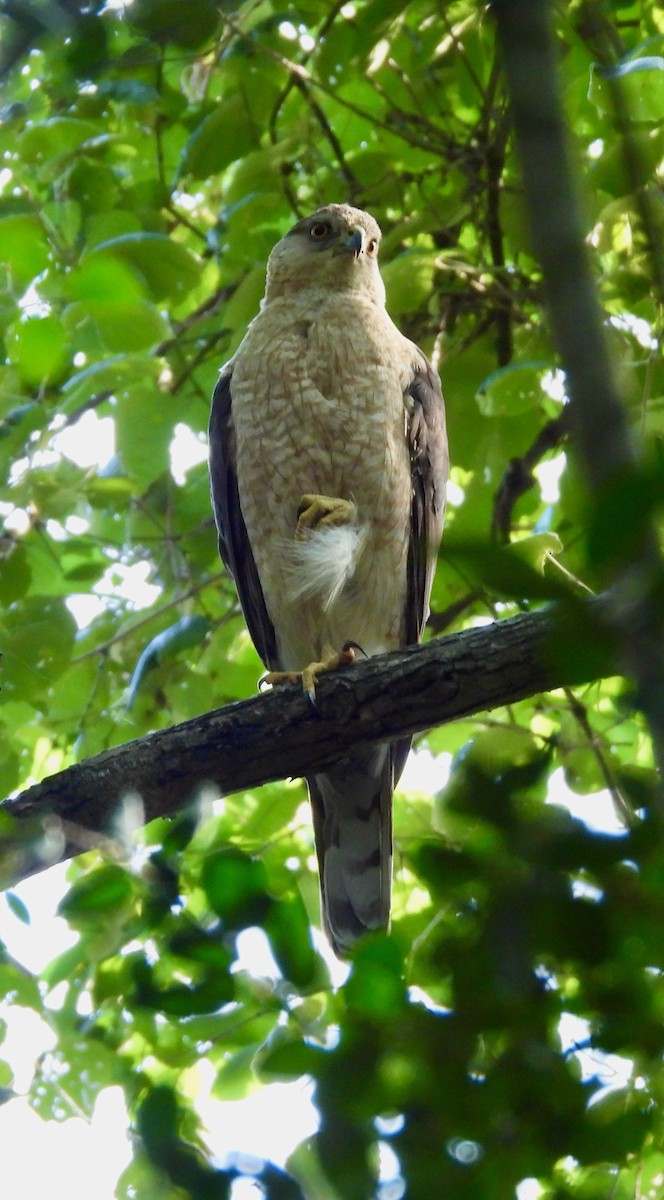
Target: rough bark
277, 735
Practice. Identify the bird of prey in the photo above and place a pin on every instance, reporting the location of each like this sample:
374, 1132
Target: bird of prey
328, 467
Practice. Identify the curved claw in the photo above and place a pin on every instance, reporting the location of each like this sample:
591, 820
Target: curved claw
273, 678
311, 673
310, 693
354, 646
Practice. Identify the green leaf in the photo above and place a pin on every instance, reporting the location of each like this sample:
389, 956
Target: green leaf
112, 493
157, 1120
81, 561
497, 752
103, 226
38, 638
167, 268
224, 135
18, 986
538, 549
10, 762
286, 1059
375, 989
87, 46
71, 1077
129, 91
243, 305
641, 86
47, 140
505, 570
235, 1078
107, 279
24, 249
65, 218
192, 977
288, 929
15, 574
144, 431
66, 965
176, 21
55, 566
611, 172
127, 327
254, 177
105, 891
409, 280
95, 187
619, 521
235, 886
512, 390
38, 347
18, 908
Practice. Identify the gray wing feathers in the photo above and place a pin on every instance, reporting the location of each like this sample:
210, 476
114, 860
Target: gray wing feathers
233, 540
427, 439
352, 809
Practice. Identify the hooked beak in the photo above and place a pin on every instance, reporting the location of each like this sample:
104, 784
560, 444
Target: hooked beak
353, 243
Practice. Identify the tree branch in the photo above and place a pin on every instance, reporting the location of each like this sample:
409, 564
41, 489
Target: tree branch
518, 477
625, 546
279, 735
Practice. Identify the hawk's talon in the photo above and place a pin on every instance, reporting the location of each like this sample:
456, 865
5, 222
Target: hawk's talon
309, 676
273, 678
323, 512
310, 693
331, 662
354, 646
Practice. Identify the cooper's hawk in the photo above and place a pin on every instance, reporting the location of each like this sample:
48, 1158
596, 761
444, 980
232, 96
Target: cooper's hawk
328, 463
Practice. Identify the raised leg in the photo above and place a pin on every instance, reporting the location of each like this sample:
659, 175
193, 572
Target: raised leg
317, 512
320, 512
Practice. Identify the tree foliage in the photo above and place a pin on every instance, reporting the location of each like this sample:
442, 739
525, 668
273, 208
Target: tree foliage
151, 157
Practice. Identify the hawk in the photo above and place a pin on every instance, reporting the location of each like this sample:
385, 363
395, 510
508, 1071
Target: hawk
328, 467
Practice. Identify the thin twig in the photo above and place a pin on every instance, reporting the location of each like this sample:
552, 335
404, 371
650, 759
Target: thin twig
194, 590
301, 73
623, 810
518, 477
355, 188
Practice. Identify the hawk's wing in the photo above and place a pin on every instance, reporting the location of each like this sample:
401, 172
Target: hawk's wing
429, 468
233, 540
427, 440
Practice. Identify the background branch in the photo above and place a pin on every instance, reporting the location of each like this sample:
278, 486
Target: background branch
519, 478
617, 485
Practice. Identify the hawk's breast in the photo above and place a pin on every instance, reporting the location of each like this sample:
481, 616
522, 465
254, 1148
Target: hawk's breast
318, 407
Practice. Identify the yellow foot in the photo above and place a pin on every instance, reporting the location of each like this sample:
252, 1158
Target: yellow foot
311, 673
331, 662
319, 512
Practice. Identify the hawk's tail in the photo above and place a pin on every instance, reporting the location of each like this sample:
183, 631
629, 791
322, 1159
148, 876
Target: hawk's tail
352, 809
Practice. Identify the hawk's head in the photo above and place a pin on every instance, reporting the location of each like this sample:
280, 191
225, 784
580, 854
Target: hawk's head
335, 248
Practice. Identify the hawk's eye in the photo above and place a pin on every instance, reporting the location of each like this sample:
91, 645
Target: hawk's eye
319, 231
372, 246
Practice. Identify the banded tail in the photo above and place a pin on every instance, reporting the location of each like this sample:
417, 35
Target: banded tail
352, 809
